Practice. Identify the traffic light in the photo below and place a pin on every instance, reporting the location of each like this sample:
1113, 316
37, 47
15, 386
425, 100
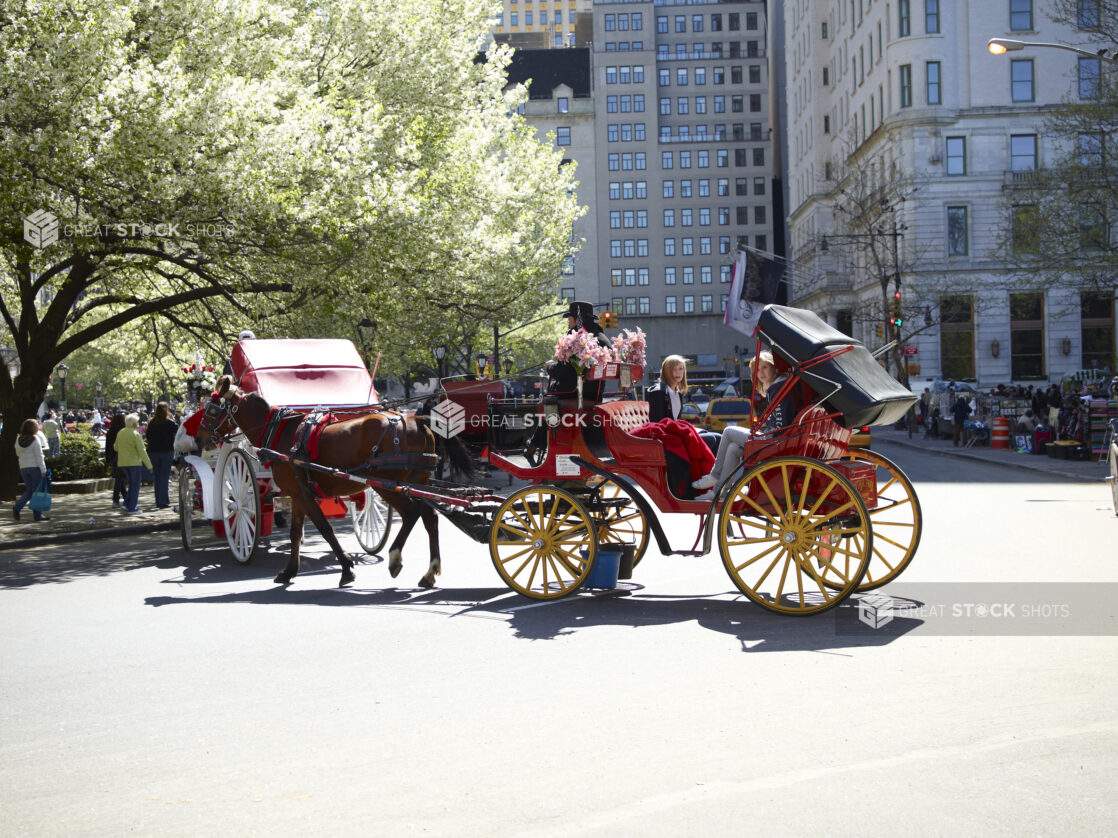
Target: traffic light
897, 318
880, 331
609, 319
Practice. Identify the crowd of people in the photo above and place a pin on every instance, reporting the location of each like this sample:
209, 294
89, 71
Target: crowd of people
138, 450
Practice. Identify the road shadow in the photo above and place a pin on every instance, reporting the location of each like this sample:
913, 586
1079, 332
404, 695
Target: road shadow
754, 628
210, 562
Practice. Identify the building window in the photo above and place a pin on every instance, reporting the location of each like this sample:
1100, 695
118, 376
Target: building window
1096, 325
1092, 227
956, 337
906, 85
1090, 150
680, 23
904, 26
630, 305
644, 305
666, 159
706, 274
704, 216
1088, 78
706, 303
1020, 14
686, 217
668, 189
932, 71
1022, 152
563, 136
956, 155
615, 277
1026, 335
642, 251
665, 78
723, 299
669, 276
615, 248
688, 304
1024, 220
610, 23
611, 104
669, 305
615, 219
957, 244
685, 160
669, 218
687, 246
1087, 14
931, 16
688, 276
1021, 79
665, 106
669, 247
725, 272
758, 186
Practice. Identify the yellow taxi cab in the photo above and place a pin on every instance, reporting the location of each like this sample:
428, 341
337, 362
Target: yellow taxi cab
861, 438
724, 412
691, 413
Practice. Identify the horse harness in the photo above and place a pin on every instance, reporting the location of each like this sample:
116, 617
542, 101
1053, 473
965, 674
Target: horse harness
308, 434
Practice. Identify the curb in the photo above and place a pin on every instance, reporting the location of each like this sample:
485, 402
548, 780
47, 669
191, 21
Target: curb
964, 455
88, 535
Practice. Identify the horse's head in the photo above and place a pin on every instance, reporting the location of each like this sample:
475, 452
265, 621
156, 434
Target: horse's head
218, 409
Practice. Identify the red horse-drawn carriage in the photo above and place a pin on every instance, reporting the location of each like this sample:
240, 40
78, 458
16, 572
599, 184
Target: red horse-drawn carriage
801, 524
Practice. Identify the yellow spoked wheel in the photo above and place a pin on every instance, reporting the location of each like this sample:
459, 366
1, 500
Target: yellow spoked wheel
536, 541
620, 524
896, 521
795, 536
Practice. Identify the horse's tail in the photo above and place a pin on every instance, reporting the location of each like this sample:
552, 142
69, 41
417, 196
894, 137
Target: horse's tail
457, 454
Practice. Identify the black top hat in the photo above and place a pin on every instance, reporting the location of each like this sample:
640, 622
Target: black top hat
582, 310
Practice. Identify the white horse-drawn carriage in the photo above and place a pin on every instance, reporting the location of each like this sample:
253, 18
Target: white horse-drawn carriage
230, 487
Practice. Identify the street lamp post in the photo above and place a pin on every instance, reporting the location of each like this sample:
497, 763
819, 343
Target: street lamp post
440, 353
481, 357
62, 370
1000, 46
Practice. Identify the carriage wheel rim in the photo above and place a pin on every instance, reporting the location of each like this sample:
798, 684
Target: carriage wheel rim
187, 497
783, 545
618, 527
241, 506
897, 522
536, 539
372, 522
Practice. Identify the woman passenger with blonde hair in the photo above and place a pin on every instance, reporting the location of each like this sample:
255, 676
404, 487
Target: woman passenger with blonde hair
665, 397
762, 368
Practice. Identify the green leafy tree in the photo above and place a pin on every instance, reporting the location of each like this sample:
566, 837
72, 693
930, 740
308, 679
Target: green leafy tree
273, 164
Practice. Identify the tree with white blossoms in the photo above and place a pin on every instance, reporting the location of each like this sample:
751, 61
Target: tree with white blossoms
217, 165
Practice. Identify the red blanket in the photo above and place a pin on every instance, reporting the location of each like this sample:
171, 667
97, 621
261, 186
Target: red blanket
681, 439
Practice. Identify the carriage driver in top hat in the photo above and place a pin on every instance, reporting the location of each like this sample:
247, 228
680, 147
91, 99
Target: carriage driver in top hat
563, 378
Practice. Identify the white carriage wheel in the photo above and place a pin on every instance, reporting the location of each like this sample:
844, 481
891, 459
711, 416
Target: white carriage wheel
372, 522
188, 496
240, 506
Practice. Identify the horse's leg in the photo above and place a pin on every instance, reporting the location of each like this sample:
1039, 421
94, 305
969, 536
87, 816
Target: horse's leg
320, 521
288, 573
431, 523
409, 514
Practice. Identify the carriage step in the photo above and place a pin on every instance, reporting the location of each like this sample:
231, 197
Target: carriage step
688, 552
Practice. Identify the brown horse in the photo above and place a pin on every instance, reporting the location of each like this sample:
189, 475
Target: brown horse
353, 445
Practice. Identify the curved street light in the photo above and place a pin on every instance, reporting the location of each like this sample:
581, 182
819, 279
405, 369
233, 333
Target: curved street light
1000, 46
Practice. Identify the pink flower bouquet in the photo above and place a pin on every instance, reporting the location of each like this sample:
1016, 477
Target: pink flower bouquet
629, 346
581, 350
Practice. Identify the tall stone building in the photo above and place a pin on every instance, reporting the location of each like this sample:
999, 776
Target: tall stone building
906, 141
675, 163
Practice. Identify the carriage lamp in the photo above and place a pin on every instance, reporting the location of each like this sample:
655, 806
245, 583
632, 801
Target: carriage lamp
481, 364
508, 366
440, 353
995, 348
551, 411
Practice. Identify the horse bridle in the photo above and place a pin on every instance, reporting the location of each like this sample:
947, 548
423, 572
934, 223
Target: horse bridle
214, 415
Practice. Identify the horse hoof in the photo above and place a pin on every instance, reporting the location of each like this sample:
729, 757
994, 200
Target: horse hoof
282, 580
348, 578
427, 581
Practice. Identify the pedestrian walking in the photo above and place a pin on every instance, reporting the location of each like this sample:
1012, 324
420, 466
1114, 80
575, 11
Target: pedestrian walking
30, 445
131, 454
160, 433
50, 429
120, 483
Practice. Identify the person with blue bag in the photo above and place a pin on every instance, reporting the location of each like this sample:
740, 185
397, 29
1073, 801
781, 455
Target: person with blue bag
30, 447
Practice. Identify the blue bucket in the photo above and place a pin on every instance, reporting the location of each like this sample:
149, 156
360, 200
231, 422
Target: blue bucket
604, 572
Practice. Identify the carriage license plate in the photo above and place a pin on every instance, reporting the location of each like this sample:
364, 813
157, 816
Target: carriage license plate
564, 467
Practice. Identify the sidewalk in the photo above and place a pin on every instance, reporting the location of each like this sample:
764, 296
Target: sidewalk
82, 517
1090, 470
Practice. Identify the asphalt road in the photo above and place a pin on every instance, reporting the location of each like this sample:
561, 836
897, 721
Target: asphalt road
151, 691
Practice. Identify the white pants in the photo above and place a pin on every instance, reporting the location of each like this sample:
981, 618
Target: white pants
730, 449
